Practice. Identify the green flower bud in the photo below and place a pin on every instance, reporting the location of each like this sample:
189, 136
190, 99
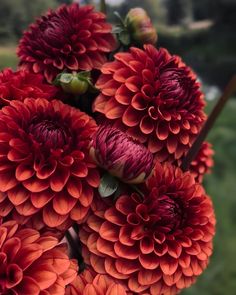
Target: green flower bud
140, 26
74, 83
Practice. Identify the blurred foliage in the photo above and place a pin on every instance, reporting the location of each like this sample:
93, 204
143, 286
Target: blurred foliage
8, 56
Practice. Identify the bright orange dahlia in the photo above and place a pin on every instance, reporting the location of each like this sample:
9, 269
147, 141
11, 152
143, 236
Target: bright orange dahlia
45, 167
153, 96
203, 162
89, 283
156, 245
22, 84
32, 264
70, 38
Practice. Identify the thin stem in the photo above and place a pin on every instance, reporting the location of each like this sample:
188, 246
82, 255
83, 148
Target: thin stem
75, 248
103, 7
229, 91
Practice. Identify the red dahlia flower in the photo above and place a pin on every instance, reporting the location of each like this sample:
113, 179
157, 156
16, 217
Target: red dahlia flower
203, 162
69, 38
119, 154
22, 84
32, 264
156, 245
89, 283
45, 166
154, 97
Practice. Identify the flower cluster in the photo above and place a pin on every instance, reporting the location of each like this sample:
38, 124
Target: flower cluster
97, 186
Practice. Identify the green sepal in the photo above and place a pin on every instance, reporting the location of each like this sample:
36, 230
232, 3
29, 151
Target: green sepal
124, 38
108, 185
117, 29
116, 13
66, 78
56, 81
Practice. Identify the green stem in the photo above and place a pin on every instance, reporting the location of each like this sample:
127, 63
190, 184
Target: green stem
75, 247
229, 91
103, 7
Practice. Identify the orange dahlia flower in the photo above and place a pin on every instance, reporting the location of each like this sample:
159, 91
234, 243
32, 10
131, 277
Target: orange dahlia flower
45, 167
122, 156
203, 162
22, 84
89, 283
154, 97
157, 245
32, 264
70, 38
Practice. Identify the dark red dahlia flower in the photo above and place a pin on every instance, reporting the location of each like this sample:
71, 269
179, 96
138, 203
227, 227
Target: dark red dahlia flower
70, 38
89, 283
45, 167
154, 97
157, 245
203, 162
22, 84
122, 156
32, 264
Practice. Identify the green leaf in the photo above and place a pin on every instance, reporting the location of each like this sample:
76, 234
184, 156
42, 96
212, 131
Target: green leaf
66, 78
124, 38
117, 29
56, 81
84, 74
108, 185
116, 13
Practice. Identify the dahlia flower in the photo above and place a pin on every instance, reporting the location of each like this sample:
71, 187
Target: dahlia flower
157, 245
70, 38
119, 154
140, 26
154, 97
203, 162
89, 283
22, 84
32, 264
45, 167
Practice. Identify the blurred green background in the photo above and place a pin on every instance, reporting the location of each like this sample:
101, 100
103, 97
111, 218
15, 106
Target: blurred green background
203, 32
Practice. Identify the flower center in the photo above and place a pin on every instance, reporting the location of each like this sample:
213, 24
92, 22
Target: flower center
49, 133
175, 83
167, 213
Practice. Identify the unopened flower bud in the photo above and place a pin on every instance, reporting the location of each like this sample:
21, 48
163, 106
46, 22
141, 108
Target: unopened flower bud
121, 156
140, 26
74, 83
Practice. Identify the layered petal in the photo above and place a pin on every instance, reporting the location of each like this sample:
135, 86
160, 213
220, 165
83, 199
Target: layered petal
31, 262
